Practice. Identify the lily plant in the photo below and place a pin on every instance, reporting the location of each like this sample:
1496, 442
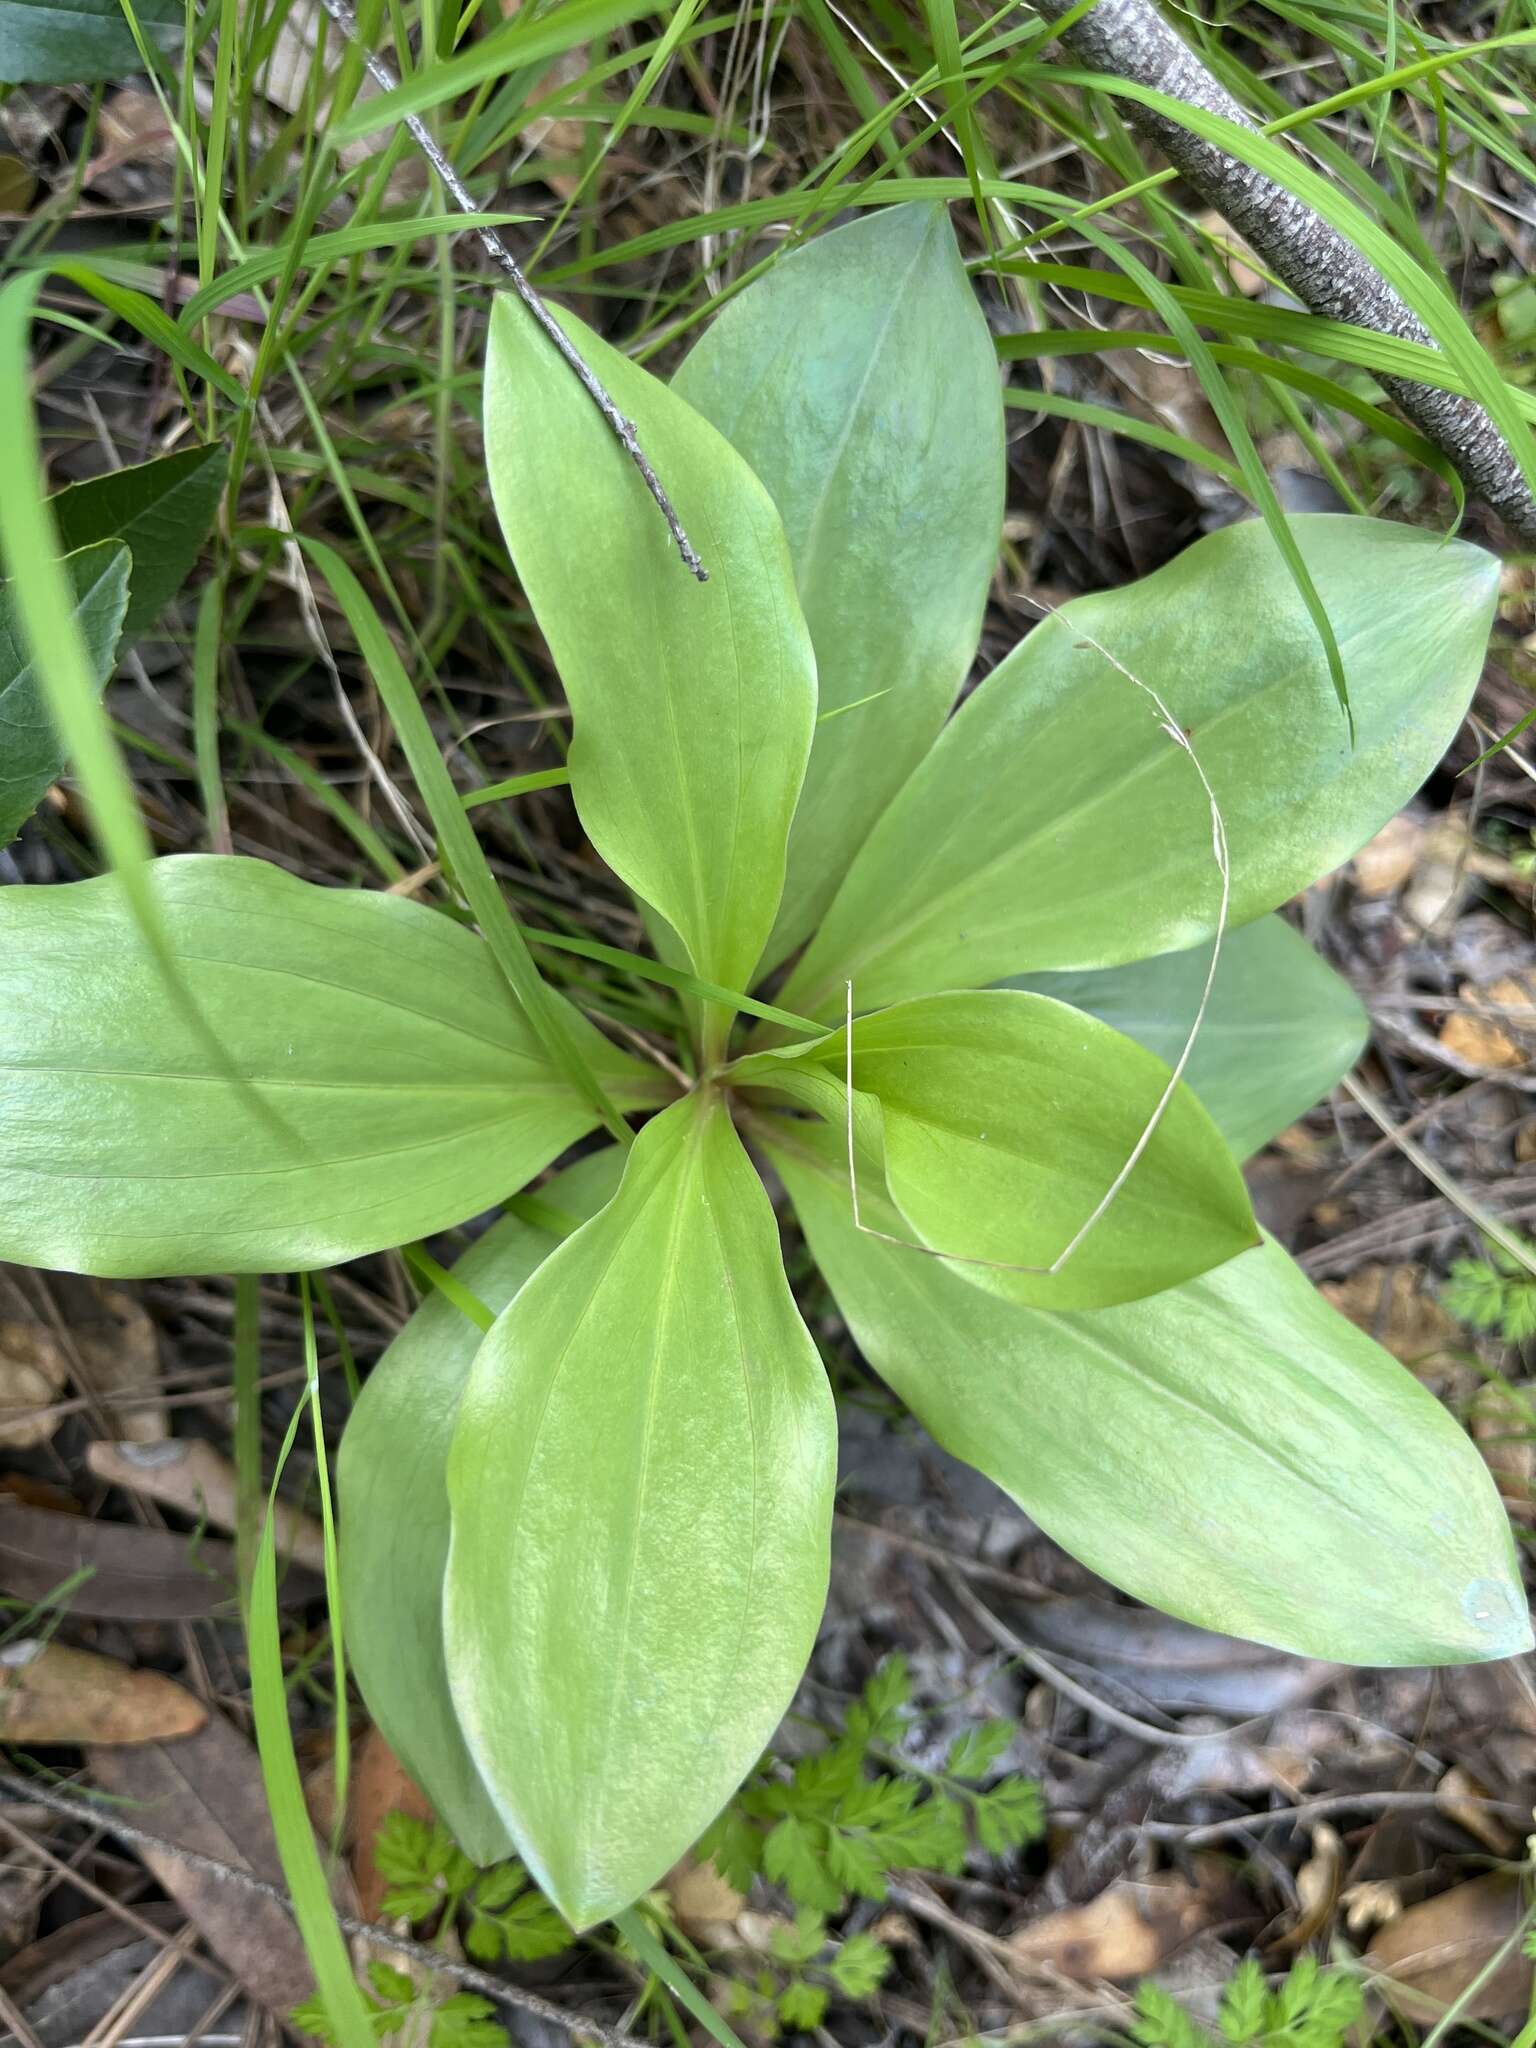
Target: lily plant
933, 977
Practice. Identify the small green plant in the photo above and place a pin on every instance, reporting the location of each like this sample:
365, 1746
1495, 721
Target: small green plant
834, 1825
1495, 1293
1311, 2008
396, 2004
791, 1987
587, 1495
505, 1918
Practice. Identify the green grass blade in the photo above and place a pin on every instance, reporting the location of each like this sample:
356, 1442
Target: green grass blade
502, 932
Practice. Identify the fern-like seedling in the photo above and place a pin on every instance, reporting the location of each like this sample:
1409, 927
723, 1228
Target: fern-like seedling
837, 1825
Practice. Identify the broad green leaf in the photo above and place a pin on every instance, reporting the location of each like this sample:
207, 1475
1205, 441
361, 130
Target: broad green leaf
1055, 825
70, 42
693, 703
1231, 1451
1280, 1030
381, 1084
31, 756
392, 1474
858, 379
641, 1486
1004, 1119
162, 510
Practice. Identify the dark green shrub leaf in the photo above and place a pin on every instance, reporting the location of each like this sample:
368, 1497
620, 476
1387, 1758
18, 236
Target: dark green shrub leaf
1231, 1451
693, 703
377, 1081
1280, 1031
71, 42
1003, 1119
392, 1476
162, 510
858, 379
30, 754
1055, 825
646, 1442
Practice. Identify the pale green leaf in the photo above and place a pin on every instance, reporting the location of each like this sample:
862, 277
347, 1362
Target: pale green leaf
1280, 1030
693, 703
858, 379
392, 1475
641, 1486
31, 754
1003, 1119
161, 510
1056, 825
69, 42
380, 1082
1232, 1451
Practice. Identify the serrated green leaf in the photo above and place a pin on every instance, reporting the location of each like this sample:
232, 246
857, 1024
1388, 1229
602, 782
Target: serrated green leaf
887, 1691
1009, 1815
973, 1754
392, 1087
1280, 1030
1054, 825
1243, 2003
160, 510
391, 1983
802, 2006
650, 1399
1164, 2022
854, 1863
1003, 1119
798, 1943
409, 1850
31, 753
860, 1966
692, 703
71, 42
531, 1929
465, 2021
1176, 1414
858, 379
734, 1846
792, 1857
392, 1476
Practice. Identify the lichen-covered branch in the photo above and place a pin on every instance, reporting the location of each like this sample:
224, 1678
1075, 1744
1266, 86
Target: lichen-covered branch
1324, 269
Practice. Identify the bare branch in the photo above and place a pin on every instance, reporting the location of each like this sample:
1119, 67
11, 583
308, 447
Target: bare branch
1130, 40
496, 248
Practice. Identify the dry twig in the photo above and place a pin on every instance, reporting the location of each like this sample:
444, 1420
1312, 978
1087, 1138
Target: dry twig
1128, 39
496, 248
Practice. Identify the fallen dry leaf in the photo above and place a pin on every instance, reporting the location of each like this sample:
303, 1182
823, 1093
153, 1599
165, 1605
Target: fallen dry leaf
206, 1794
1431, 1953
703, 1904
1384, 863
1127, 1931
187, 1473
1462, 1799
119, 1351
129, 1573
1495, 1040
380, 1786
1393, 1305
51, 1693
1317, 1887
1441, 872
1369, 1904
1234, 252
32, 1375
